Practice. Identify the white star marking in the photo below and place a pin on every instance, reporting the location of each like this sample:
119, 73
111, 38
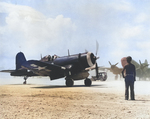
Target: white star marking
39, 68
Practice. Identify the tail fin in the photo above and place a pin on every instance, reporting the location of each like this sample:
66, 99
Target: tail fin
146, 61
20, 59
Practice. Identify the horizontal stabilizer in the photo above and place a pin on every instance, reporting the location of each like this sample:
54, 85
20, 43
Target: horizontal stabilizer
8, 71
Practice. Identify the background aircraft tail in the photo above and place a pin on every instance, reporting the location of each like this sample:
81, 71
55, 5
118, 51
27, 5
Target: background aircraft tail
20, 59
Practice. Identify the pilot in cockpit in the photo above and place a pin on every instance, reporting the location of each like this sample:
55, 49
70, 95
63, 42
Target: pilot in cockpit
46, 58
54, 57
49, 58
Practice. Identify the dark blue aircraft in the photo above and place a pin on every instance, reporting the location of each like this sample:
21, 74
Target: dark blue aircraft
72, 67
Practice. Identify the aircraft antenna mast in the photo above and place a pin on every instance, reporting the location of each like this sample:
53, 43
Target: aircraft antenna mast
41, 56
68, 53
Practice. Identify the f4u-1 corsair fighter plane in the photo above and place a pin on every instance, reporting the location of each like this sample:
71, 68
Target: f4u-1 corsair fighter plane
72, 67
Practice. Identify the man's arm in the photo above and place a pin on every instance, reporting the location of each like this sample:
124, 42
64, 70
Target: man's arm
134, 74
123, 72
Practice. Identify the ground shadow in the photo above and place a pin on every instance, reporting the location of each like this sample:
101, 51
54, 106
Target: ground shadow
64, 86
22, 84
60, 86
140, 100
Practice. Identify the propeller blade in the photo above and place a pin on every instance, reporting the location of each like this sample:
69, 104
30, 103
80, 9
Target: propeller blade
96, 68
146, 61
140, 62
97, 47
116, 63
97, 58
109, 63
141, 65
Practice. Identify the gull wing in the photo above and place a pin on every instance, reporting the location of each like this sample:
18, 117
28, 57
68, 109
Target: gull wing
42, 68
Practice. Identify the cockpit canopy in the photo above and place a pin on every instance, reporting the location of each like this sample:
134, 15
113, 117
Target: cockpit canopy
49, 58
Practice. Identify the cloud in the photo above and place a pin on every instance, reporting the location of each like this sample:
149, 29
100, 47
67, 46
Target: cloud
31, 32
20, 10
127, 32
30, 29
53, 27
143, 45
121, 5
141, 17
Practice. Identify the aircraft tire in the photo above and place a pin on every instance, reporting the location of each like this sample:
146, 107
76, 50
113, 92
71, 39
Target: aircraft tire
24, 82
69, 82
105, 77
25, 78
87, 82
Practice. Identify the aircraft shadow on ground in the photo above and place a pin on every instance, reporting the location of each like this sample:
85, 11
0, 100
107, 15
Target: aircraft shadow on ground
20, 84
60, 86
141, 100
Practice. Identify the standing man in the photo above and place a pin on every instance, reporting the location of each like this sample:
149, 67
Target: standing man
129, 74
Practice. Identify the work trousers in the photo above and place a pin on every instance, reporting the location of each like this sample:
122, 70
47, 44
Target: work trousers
129, 82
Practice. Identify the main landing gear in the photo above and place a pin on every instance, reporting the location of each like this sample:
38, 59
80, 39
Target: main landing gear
87, 82
25, 78
70, 82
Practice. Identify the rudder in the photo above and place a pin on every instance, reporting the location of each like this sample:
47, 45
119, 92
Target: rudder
20, 59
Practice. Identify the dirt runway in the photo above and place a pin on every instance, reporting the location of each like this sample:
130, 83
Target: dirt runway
100, 101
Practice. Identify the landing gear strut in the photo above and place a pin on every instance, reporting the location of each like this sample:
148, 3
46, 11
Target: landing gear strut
25, 78
116, 77
87, 82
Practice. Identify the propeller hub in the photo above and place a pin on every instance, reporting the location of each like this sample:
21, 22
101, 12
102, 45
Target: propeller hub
91, 59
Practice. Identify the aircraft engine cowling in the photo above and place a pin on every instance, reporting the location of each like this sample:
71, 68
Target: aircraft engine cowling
91, 59
87, 59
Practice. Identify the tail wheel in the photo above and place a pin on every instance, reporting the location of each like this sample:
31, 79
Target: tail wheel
87, 82
25, 82
25, 78
69, 82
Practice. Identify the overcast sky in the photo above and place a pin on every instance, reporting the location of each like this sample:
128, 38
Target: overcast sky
35, 27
